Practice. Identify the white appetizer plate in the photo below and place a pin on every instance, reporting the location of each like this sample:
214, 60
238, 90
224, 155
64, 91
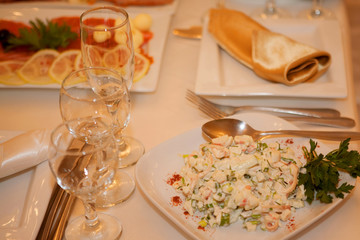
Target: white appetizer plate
161, 17
221, 75
24, 199
156, 167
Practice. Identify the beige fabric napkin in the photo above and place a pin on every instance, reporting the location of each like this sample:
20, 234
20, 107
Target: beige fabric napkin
270, 55
23, 151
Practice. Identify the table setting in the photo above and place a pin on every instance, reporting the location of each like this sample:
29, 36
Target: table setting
110, 131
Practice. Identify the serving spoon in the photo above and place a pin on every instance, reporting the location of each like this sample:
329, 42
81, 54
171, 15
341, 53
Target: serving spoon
234, 127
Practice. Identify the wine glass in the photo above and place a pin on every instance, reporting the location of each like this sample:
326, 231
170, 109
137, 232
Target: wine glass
317, 12
84, 165
271, 11
100, 91
107, 40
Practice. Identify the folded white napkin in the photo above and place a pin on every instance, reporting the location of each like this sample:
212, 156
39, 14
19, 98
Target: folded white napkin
23, 151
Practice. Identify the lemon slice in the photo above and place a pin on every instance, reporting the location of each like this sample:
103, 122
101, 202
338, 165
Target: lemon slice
142, 65
35, 70
63, 65
117, 57
78, 62
8, 74
92, 56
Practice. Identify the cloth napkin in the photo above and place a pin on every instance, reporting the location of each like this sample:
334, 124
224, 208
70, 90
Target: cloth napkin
23, 151
272, 56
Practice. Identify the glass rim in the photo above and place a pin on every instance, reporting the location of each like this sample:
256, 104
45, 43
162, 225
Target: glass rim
114, 8
98, 146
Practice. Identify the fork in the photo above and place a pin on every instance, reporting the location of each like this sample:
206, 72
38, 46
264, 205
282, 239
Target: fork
322, 116
221, 111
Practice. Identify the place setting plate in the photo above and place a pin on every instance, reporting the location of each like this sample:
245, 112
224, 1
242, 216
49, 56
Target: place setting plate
220, 75
24, 200
161, 17
156, 168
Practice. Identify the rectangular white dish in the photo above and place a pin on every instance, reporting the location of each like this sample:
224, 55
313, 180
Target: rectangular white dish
221, 75
161, 17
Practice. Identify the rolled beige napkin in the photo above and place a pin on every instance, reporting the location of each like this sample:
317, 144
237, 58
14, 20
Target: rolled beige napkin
23, 151
272, 56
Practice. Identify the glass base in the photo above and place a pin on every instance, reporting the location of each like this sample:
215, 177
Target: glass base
108, 228
130, 151
317, 14
121, 189
273, 13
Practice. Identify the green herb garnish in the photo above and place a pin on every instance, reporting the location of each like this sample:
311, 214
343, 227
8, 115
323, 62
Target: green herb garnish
322, 172
42, 35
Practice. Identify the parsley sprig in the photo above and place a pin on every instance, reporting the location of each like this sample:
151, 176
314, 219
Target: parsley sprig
42, 35
321, 179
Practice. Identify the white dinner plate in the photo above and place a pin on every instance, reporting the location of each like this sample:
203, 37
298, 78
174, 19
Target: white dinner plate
156, 167
221, 75
161, 17
24, 199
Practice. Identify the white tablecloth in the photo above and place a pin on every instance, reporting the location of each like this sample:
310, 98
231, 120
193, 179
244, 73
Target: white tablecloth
165, 113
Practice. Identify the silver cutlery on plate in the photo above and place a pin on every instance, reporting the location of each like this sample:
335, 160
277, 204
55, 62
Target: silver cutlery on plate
234, 127
56, 215
322, 116
194, 32
60, 205
331, 122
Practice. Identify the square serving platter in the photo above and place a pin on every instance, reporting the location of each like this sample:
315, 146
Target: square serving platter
155, 168
221, 75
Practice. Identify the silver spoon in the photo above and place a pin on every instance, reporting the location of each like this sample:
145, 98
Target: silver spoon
233, 127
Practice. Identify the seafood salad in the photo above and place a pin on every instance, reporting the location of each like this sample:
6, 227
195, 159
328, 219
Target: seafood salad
235, 178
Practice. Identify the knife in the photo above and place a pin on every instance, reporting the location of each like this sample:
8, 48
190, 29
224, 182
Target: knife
56, 216
60, 205
194, 32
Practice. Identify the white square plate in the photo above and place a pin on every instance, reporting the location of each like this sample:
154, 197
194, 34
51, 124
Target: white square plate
221, 75
24, 200
156, 167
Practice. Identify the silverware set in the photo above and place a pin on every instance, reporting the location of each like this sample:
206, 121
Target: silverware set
319, 116
56, 215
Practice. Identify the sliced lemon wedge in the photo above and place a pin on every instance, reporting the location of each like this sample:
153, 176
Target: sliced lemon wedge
142, 65
63, 65
78, 62
117, 57
8, 74
35, 70
93, 56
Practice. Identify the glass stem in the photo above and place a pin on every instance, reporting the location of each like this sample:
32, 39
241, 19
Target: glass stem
123, 147
92, 220
119, 136
270, 7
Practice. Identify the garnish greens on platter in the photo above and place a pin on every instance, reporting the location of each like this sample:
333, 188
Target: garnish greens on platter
233, 178
41, 35
322, 172
44, 52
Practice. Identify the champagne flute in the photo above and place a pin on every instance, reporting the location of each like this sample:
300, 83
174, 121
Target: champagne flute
107, 40
85, 166
100, 92
317, 12
271, 11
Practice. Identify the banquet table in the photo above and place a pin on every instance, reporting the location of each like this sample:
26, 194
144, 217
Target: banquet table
165, 113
